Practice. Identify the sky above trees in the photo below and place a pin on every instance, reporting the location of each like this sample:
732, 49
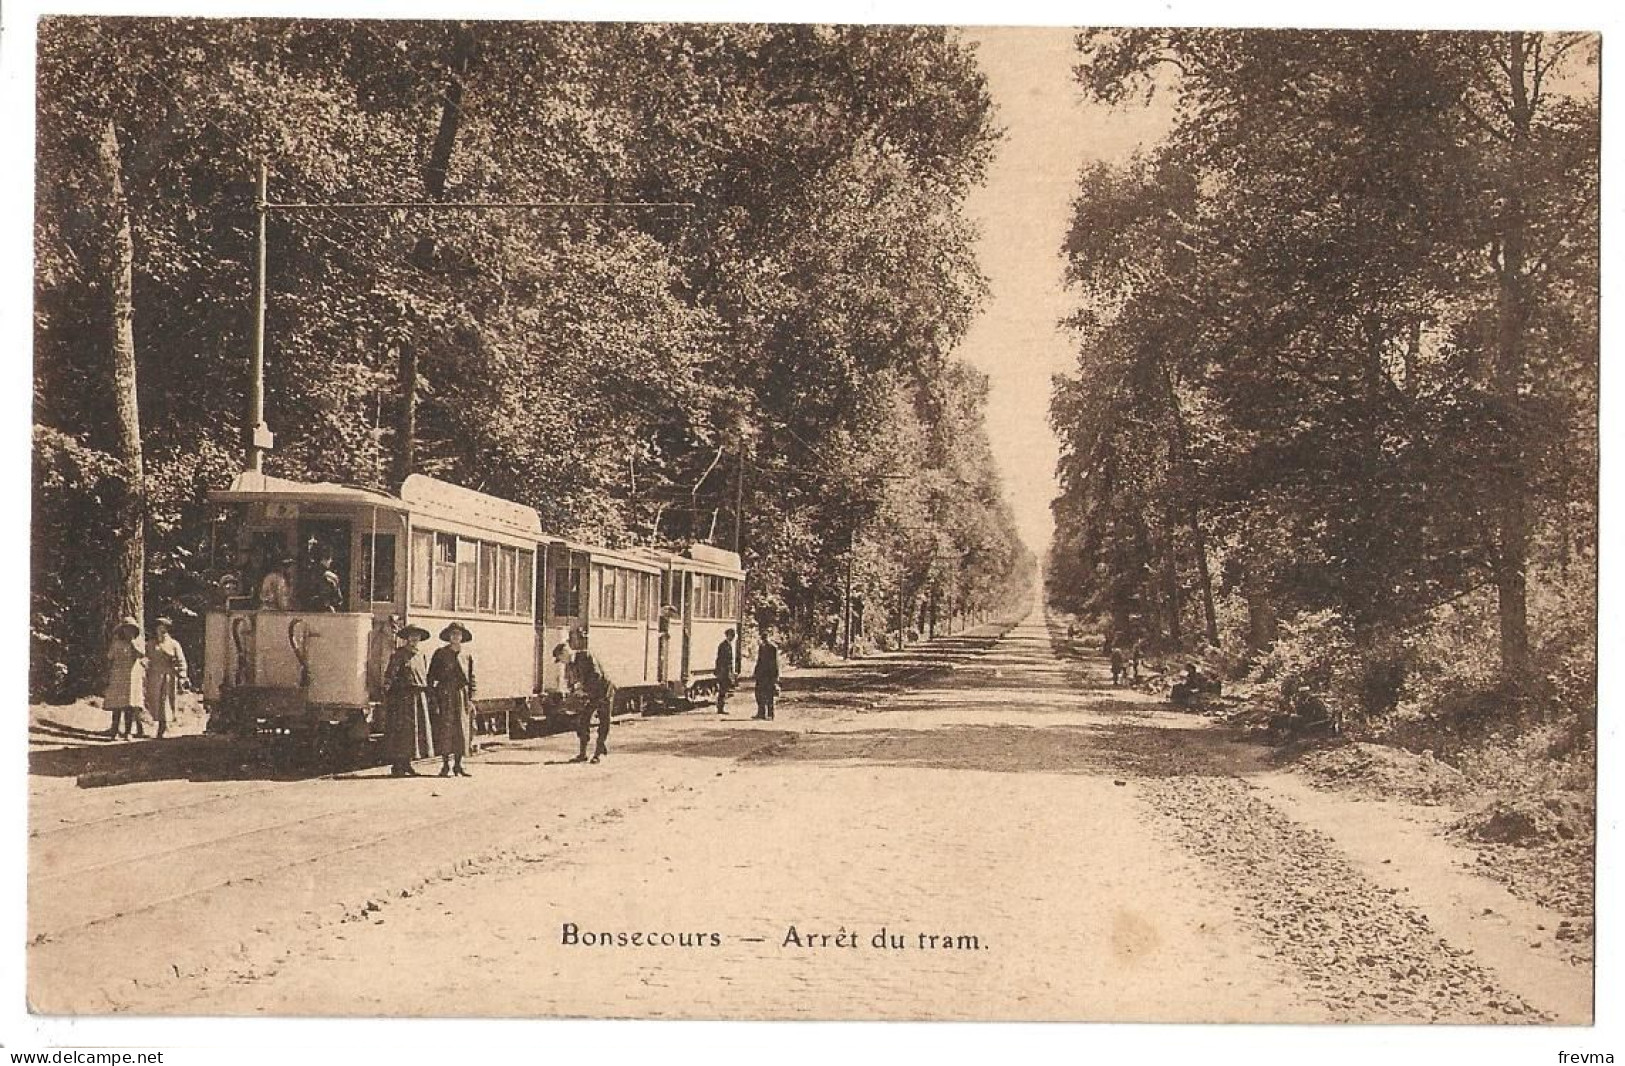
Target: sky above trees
1051, 133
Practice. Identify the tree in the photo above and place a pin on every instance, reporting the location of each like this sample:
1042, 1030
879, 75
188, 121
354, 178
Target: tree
1329, 259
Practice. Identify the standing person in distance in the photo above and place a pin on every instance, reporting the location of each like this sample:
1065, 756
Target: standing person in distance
587, 684
725, 671
166, 675
766, 675
126, 679
451, 678
407, 732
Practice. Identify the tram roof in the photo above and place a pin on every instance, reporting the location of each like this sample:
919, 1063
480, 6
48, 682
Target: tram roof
420, 494
430, 496
252, 487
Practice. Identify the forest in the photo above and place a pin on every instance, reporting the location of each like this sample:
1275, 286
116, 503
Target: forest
762, 353
1332, 431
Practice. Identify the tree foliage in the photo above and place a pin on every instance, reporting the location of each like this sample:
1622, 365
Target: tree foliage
783, 339
1337, 342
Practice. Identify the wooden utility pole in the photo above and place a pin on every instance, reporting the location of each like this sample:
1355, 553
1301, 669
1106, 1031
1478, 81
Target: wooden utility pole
739, 540
406, 432
259, 435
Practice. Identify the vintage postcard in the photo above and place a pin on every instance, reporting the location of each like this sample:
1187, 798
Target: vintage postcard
752, 520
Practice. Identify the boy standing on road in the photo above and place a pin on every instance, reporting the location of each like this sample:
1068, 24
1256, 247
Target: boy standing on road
725, 671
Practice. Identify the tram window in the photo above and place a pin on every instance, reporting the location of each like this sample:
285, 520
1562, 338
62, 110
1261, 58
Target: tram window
488, 577
505, 570
567, 592
422, 567
445, 572
524, 593
468, 573
378, 566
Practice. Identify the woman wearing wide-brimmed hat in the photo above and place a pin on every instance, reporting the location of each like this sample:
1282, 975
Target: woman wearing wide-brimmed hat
451, 676
166, 674
126, 679
407, 731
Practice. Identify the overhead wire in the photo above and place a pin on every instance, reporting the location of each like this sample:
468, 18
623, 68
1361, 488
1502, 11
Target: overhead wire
362, 235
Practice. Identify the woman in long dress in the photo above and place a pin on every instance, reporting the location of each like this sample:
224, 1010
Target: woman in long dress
126, 680
166, 674
451, 676
406, 696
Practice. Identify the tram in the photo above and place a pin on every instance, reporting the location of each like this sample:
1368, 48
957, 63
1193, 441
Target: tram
323, 575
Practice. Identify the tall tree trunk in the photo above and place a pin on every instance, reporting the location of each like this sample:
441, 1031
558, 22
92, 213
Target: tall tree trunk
1512, 523
436, 172
1170, 579
1263, 624
1182, 458
130, 510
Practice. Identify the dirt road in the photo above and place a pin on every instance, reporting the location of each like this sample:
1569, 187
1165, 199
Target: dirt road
978, 828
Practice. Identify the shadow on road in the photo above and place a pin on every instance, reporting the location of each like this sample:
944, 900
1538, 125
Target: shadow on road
187, 758
1117, 749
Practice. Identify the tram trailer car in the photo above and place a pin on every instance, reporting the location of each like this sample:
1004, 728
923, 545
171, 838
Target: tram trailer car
646, 615
436, 553
709, 584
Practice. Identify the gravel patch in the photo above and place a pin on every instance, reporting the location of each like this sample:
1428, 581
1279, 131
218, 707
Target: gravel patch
1383, 772
1363, 953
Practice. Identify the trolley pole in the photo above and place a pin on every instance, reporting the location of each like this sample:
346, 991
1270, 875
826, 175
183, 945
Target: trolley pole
258, 434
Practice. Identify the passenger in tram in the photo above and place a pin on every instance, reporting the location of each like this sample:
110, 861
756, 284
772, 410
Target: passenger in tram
126, 680
166, 675
407, 731
451, 680
276, 588
725, 671
326, 591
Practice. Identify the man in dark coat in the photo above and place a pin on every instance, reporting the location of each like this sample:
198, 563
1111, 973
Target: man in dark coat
586, 683
766, 675
725, 671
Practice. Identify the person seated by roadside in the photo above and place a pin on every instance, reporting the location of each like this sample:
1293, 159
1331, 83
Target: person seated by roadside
1193, 687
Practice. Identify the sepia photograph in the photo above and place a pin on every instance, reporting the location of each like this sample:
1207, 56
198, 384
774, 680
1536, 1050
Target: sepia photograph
838, 520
